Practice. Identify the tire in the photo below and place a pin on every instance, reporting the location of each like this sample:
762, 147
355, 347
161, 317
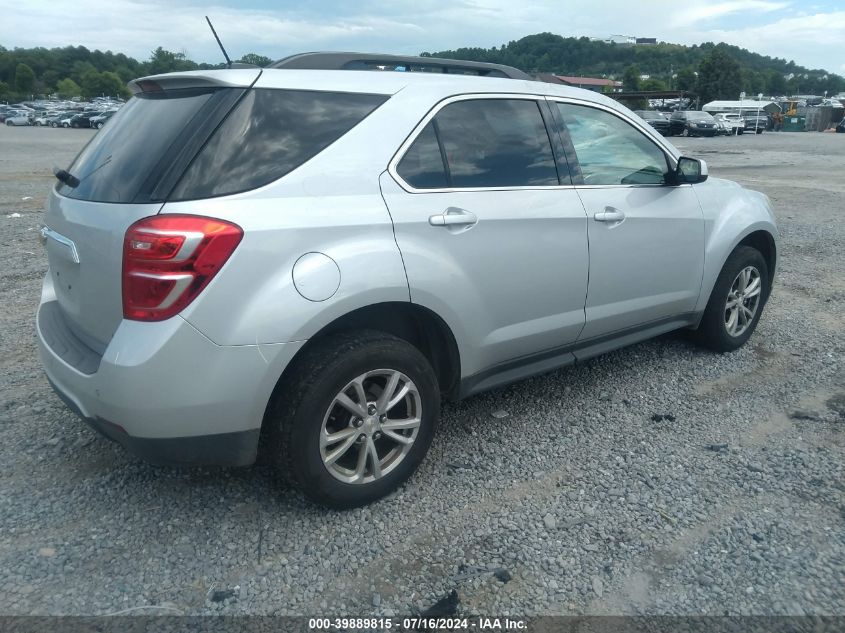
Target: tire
686, 132
759, 131
306, 403
99, 125
713, 331
740, 132
54, 124
9, 124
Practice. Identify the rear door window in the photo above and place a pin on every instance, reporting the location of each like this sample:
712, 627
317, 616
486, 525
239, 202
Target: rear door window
269, 134
422, 167
496, 143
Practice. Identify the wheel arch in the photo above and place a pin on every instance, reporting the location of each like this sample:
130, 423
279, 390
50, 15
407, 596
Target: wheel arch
759, 236
764, 242
418, 325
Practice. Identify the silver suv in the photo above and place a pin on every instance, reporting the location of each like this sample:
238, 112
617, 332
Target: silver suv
314, 255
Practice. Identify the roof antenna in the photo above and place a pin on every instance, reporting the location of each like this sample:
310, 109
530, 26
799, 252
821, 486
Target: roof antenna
219, 43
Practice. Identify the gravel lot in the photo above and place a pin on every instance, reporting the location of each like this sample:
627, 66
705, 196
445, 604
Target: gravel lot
657, 479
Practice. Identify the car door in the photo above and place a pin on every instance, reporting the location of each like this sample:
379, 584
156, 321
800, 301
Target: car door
491, 240
646, 235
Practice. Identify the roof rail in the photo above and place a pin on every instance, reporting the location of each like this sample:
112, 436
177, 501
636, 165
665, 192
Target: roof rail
400, 63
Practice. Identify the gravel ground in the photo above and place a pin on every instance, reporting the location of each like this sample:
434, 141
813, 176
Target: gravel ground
656, 479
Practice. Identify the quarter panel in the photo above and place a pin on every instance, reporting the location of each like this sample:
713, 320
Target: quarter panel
254, 299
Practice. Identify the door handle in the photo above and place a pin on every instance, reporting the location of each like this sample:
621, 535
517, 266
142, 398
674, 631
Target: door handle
453, 216
609, 215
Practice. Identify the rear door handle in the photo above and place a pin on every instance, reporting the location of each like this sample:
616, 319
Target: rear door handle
609, 215
453, 216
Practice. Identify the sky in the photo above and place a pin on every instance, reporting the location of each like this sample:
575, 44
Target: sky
810, 33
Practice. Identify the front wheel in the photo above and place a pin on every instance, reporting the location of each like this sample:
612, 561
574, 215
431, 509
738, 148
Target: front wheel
99, 126
736, 302
354, 419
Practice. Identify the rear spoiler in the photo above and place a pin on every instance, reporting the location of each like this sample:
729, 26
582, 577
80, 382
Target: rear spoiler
228, 78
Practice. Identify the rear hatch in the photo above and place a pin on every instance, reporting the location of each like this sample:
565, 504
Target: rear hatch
125, 173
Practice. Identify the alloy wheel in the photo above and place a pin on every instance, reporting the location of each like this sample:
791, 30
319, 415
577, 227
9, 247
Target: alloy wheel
743, 301
370, 426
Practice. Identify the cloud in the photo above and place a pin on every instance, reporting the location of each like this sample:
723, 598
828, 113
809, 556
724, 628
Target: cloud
277, 28
791, 37
691, 15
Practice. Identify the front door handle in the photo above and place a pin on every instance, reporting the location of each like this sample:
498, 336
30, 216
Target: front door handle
609, 215
453, 216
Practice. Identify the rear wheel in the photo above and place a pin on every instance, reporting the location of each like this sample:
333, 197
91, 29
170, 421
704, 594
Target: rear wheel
54, 124
355, 418
736, 302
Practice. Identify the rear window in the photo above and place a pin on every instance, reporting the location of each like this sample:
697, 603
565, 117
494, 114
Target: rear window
269, 134
201, 143
124, 161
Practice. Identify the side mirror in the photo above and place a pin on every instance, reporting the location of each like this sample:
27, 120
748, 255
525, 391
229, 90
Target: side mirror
690, 171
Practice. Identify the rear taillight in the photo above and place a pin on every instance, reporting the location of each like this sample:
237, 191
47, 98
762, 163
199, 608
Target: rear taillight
169, 259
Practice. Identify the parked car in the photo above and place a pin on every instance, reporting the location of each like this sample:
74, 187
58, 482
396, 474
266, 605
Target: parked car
756, 122
841, 126
57, 120
83, 119
655, 119
319, 258
730, 124
68, 119
18, 118
42, 118
100, 119
11, 112
692, 123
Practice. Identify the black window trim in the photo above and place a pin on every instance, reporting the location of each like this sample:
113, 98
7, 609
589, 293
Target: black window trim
671, 159
418, 129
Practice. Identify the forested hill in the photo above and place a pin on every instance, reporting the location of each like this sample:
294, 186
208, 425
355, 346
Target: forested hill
711, 70
580, 56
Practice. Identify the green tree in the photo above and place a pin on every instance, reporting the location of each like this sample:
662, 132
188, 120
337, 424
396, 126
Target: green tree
165, 61
686, 79
719, 77
631, 79
81, 68
4, 89
256, 60
653, 83
68, 88
776, 84
96, 84
24, 79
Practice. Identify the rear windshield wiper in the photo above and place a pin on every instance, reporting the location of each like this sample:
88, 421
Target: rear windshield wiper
66, 177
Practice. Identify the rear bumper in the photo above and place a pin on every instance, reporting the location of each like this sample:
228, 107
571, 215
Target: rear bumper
166, 392
222, 449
